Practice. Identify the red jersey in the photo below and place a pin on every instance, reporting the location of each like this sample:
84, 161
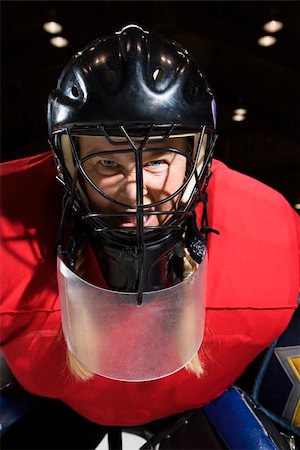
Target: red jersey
253, 279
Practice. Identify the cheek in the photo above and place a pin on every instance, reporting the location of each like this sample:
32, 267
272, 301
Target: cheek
171, 181
95, 199
109, 185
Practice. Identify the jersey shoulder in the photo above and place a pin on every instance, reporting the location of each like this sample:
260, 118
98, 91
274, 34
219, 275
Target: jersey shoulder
30, 214
256, 254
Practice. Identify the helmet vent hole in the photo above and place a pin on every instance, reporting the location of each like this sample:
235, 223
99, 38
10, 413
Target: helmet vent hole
194, 90
111, 75
158, 74
75, 91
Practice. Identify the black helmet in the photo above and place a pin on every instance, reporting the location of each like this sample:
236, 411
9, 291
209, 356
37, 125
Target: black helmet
132, 87
133, 77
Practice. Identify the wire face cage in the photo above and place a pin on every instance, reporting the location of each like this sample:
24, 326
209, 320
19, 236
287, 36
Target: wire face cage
78, 170
95, 161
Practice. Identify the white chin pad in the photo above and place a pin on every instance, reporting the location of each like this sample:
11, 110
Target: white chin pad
190, 187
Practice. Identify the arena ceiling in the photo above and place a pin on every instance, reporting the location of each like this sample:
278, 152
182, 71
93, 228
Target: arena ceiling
221, 35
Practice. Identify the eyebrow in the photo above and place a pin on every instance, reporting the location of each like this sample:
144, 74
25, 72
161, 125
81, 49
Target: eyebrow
155, 151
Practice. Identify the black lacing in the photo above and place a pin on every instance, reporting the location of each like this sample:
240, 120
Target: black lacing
205, 228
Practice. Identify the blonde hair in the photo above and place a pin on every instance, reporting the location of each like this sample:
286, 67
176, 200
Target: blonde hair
80, 372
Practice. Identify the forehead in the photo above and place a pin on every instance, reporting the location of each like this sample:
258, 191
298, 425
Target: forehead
100, 143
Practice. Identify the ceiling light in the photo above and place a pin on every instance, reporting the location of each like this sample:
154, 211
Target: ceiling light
52, 27
240, 111
273, 26
266, 41
238, 117
297, 205
59, 41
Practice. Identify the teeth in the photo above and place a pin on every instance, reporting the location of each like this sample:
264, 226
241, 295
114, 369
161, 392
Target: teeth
132, 220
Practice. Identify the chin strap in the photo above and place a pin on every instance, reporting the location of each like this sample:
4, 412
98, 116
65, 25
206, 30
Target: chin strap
205, 228
194, 240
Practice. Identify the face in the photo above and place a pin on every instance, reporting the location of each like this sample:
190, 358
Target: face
115, 174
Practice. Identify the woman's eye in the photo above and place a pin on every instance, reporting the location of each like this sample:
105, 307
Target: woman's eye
156, 163
107, 163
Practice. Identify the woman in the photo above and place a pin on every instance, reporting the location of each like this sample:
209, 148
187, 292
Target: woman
168, 262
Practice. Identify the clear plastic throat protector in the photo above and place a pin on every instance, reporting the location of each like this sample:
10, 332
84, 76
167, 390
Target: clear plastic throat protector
114, 337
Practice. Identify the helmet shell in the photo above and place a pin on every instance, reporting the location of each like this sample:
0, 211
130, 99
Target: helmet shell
132, 76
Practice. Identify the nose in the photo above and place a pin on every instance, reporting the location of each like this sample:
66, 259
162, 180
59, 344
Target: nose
130, 192
130, 188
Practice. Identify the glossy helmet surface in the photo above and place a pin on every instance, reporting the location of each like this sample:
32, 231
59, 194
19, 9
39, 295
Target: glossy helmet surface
131, 84
132, 77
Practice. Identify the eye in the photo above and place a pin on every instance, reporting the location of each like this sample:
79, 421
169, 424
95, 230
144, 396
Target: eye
157, 166
107, 167
107, 163
156, 163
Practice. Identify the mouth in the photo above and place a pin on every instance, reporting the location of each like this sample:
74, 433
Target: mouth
130, 221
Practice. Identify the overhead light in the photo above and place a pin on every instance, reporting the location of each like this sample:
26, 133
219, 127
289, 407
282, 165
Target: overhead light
273, 26
267, 41
238, 117
297, 206
52, 27
240, 111
59, 41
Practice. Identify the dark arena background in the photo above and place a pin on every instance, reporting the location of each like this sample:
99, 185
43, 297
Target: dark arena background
223, 36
